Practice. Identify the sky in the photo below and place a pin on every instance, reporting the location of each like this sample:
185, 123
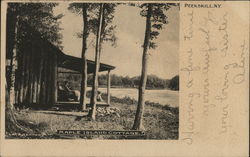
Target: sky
130, 30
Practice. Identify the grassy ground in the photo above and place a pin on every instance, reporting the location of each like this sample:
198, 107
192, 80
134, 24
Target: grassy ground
159, 123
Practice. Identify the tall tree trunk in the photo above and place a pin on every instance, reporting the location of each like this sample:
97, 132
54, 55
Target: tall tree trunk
31, 76
22, 74
83, 95
44, 79
40, 70
18, 76
35, 71
92, 113
11, 26
13, 66
26, 77
11, 124
138, 125
34, 89
30, 81
49, 80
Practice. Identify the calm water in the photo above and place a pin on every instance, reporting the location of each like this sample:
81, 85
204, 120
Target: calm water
158, 96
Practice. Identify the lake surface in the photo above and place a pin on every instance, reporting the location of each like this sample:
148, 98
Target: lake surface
158, 96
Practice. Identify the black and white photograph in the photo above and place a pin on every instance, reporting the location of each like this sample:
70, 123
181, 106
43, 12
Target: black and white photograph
92, 70
124, 78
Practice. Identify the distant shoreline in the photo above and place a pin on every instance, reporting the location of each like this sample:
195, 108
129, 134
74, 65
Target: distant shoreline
135, 88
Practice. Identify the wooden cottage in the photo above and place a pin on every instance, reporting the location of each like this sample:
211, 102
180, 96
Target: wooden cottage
37, 70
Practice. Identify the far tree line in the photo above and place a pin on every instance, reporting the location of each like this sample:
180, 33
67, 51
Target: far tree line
153, 81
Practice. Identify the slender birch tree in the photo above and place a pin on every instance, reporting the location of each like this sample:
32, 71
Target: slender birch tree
104, 32
82, 8
92, 113
155, 19
91, 15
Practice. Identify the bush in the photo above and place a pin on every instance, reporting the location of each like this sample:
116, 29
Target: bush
125, 100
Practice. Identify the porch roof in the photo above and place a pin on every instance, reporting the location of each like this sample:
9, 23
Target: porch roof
70, 62
76, 64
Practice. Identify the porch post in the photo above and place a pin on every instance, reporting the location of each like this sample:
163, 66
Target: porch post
108, 87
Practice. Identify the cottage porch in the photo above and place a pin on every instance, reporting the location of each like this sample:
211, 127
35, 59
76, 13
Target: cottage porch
71, 65
39, 64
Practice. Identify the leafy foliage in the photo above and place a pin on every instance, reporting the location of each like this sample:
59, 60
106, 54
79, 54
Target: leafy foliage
108, 32
24, 19
153, 82
39, 16
158, 19
174, 83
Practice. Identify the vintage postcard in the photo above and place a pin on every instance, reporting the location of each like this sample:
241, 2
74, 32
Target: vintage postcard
124, 78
